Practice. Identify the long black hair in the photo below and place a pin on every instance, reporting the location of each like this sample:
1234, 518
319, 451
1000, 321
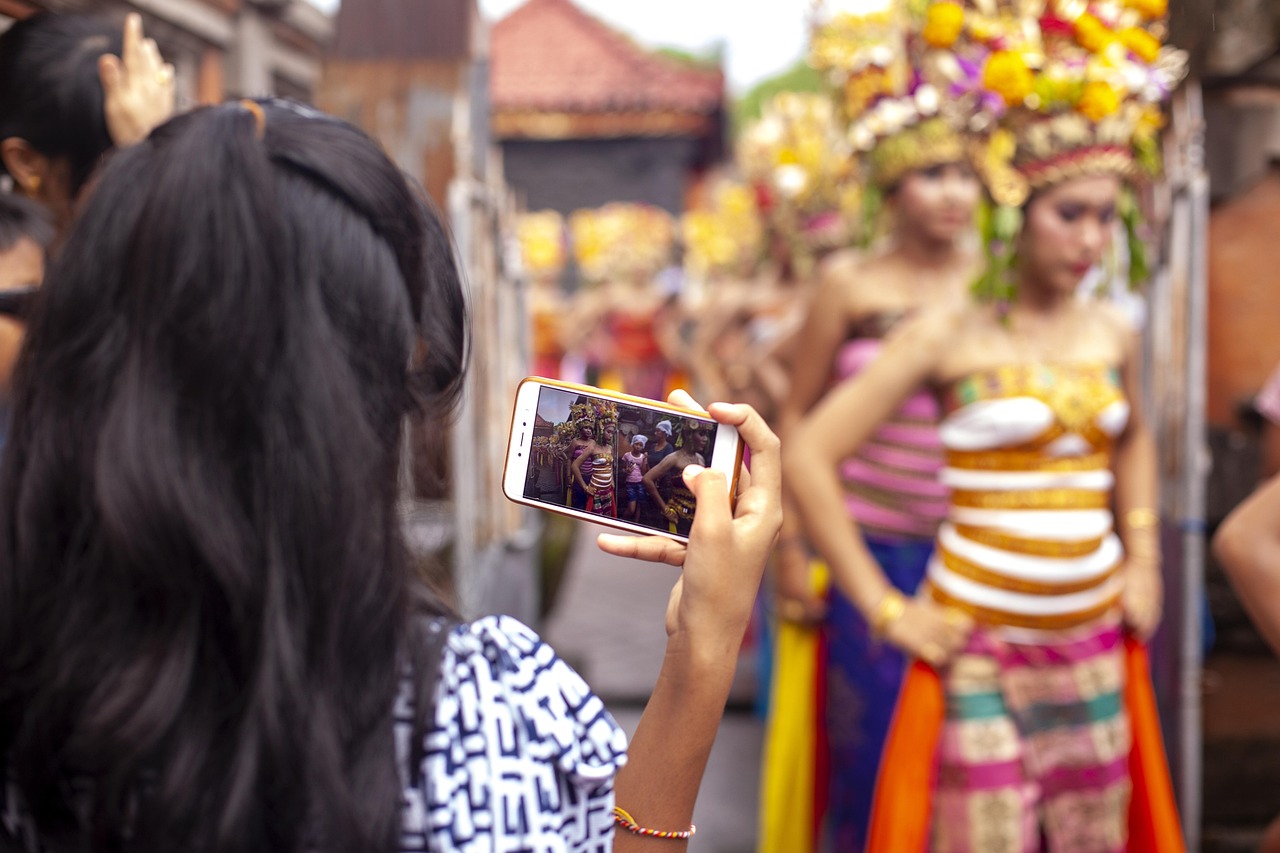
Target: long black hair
206, 602
50, 91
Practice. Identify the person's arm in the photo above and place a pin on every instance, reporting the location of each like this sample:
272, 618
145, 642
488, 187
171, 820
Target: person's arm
707, 617
1247, 545
577, 467
813, 353
651, 478
1137, 502
839, 425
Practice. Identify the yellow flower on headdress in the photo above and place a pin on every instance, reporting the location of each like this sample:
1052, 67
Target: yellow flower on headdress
943, 24
1098, 100
1093, 35
1149, 9
1007, 74
1144, 45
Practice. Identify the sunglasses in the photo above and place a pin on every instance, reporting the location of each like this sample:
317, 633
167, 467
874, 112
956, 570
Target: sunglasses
16, 303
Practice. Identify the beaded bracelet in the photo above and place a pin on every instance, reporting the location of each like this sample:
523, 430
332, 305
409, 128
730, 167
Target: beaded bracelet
627, 822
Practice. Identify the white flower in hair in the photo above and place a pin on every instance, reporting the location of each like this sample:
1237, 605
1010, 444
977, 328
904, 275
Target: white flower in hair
927, 100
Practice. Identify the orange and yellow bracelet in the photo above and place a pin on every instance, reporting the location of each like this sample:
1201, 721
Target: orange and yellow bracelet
627, 822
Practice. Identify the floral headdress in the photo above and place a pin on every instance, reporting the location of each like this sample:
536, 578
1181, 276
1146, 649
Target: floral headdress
1076, 85
542, 243
622, 240
797, 157
582, 414
724, 236
688, 427
896, 117
605, 412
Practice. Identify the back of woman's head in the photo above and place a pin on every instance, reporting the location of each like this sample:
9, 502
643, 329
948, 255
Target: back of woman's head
206, 596
50, 92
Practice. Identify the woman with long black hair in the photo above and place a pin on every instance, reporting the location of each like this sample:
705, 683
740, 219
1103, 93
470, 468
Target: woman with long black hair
211, 637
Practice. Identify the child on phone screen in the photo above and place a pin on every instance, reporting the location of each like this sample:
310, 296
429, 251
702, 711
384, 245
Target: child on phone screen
637, 464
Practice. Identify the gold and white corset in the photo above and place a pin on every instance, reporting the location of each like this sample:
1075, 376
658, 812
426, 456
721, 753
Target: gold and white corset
1029, 541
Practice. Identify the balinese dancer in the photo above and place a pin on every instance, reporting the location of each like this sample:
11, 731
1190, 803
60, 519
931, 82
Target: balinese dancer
600, 478
541, 237
678, 503
921, 193
807, 204
580, 463
1027, 721
620, 319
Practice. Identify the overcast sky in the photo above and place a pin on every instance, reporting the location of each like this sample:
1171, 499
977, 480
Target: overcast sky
760, 38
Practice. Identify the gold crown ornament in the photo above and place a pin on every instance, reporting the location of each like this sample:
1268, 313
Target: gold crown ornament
806, 181
896, 117
1076, 85
724, 235
621, 241
1075, 88
541, 237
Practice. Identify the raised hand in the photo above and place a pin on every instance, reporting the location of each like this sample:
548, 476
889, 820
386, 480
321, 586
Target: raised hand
138, 87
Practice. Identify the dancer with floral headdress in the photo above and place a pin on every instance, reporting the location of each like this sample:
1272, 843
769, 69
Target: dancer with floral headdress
594, 470
1027, 719
919, 195
580, 463
676, 502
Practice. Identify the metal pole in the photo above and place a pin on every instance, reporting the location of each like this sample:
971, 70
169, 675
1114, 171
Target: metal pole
1195, 466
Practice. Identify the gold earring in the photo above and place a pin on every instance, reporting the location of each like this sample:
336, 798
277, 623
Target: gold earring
33, 185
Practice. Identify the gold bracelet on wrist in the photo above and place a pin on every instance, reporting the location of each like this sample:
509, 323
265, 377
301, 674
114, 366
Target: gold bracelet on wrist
889, 610
1141, 519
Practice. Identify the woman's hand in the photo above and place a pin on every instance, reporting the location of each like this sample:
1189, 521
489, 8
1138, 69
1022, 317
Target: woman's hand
1142, 601
711, 603
929, 631
793, 587
138, 87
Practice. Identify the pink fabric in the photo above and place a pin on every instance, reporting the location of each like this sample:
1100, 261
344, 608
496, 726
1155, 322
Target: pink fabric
892, 483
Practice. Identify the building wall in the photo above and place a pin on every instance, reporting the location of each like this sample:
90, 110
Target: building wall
566, 175
1244, 297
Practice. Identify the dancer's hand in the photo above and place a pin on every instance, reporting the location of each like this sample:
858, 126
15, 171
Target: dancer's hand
137, 86
793, 586
711, 603
1141, 602
929, 631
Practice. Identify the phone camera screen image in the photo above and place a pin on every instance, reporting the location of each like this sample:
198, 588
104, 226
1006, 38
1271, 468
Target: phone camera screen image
616, 460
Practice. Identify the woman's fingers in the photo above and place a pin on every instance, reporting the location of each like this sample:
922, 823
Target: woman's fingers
711, 490
684, 400
651, 549
766, 449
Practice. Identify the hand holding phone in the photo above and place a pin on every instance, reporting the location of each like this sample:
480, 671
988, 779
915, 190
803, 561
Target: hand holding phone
611, 458
728, 544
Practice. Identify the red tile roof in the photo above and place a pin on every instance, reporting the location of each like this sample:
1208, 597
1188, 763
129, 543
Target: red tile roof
550, 55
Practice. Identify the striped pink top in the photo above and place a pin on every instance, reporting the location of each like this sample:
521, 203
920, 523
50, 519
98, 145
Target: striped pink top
891, 483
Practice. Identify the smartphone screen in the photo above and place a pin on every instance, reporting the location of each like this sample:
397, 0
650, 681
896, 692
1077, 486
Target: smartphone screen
616, 460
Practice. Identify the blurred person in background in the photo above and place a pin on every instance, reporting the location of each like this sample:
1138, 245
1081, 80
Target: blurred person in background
211, 636
25, 235
925, 258
1247, 546
72, 89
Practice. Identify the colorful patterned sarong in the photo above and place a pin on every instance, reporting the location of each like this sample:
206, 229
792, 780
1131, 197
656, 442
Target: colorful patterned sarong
965, 760
1034, 735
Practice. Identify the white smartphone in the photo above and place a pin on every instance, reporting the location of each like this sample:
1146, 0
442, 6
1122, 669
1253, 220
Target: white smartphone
611, 458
